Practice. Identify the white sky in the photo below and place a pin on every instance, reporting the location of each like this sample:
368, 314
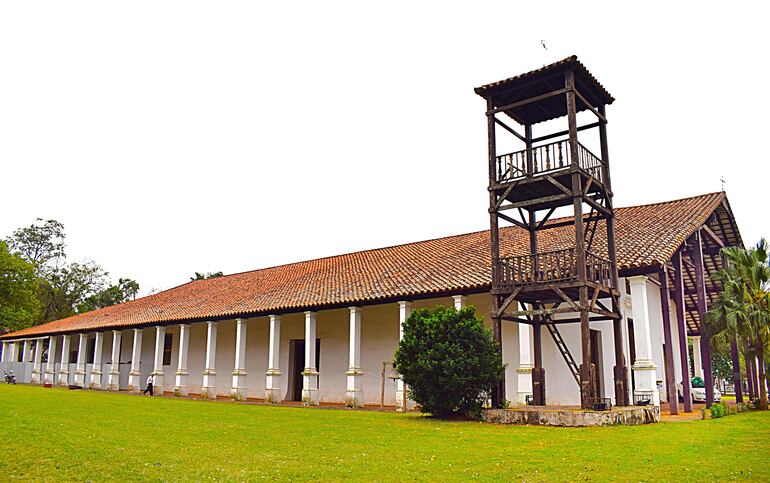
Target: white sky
173, 137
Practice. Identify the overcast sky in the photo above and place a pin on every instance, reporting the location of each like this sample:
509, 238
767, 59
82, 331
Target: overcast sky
174, 137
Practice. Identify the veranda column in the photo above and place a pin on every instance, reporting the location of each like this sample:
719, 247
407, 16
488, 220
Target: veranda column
209, 389
37, 363
238, 391
96, 370
4, 358
310, 374
135, 375
80, 370
524, 371
404, 309
157, 366
50, 365
25, 359
644, 368
460, 301
273, 383
668, 352
180, 385
65, 359
355, 393
697, 362
113, 378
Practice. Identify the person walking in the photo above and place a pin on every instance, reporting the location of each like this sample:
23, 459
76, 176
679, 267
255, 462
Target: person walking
149, 388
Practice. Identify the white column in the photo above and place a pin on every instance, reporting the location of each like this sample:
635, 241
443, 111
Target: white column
157, 366
404, 309
96, 370
135, 375
460, 301
697, 362
65, 359
310, 374
355, 392
37, 363
643, 367
524, 371
50, 365
80, 371
238, 390
273, 384
27, 350
209, 389
180, 385
113, 379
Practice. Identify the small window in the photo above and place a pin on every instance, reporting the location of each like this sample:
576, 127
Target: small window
45, 351
74, 356
20, 352
167, 343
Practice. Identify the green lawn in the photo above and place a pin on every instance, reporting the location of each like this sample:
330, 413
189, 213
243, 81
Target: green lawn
60, 434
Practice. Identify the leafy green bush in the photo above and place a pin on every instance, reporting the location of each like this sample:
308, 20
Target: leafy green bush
448, 360
719, 410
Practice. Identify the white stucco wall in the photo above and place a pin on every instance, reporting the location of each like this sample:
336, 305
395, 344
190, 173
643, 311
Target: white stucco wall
379, 340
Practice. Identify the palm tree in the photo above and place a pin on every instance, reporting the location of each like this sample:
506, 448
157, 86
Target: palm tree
743, 307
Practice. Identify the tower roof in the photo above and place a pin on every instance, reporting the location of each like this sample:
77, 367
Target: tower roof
542, 81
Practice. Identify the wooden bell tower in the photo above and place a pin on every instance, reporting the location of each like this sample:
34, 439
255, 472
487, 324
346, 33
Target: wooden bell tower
554, 173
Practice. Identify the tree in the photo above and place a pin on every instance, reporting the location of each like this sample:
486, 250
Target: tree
448, 360
125, 290
204, 276
40, 244
64, 289
67, 288
19, 305
742, 310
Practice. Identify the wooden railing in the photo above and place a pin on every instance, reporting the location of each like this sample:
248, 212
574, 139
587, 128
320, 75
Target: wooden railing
544, 159
540, 267
598, 269
553, 266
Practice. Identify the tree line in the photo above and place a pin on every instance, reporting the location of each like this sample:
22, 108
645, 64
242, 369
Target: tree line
38, 283
738, 323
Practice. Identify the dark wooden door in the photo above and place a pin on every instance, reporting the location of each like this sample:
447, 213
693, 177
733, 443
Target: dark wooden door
298, 365
596, 350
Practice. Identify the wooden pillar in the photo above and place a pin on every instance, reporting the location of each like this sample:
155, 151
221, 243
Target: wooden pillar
620, 371
682, 329
538, 371
498, 391
736, 360
586, 381
668, 353
700, 282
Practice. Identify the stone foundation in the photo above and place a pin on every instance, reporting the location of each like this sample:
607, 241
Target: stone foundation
627, 416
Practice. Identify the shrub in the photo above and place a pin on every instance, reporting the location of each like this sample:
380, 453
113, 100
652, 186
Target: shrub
719, 410
448, 360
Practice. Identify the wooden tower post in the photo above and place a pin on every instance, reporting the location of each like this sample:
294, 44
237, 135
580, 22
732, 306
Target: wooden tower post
554, 172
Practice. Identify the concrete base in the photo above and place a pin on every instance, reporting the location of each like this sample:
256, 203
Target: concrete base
543, 416
96, 380
63, 377
113, 381
310, 388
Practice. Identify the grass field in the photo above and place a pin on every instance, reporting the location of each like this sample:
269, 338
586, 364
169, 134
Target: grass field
59, 434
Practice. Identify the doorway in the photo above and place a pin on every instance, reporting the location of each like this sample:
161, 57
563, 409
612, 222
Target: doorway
297, 366
632, 350
596, 360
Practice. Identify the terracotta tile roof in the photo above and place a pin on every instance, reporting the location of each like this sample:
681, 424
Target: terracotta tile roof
646, 236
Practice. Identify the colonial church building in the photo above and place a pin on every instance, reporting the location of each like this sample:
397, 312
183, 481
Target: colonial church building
585, 306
